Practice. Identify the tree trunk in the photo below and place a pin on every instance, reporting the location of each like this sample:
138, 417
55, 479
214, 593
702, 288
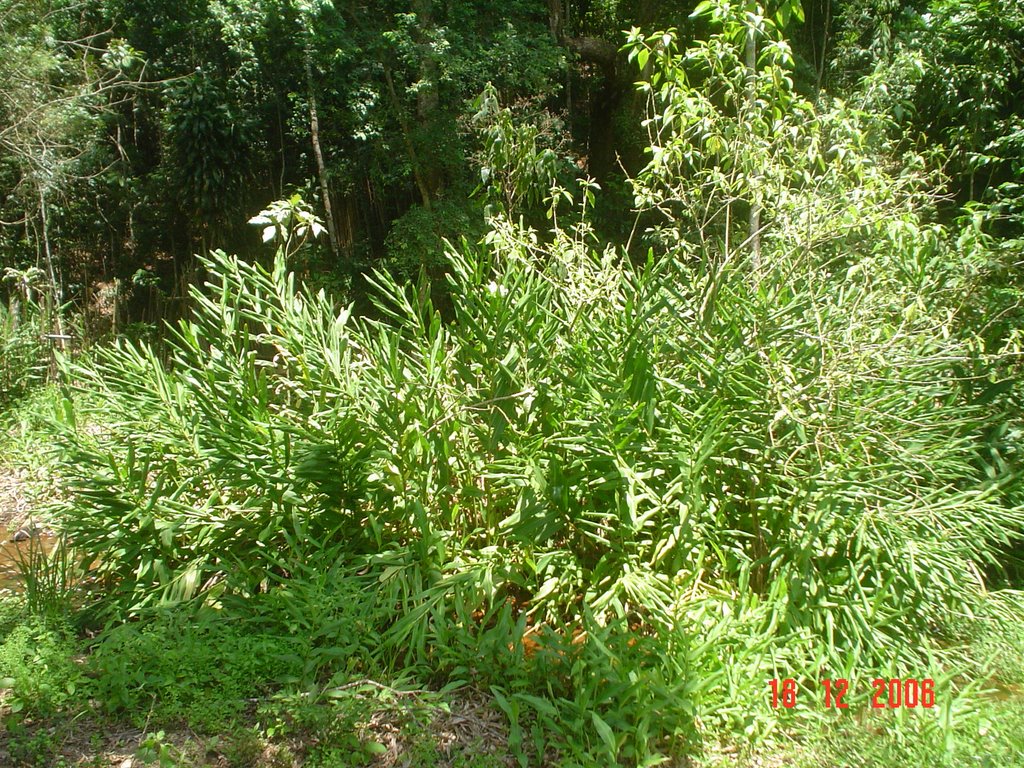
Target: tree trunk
555, 19
314, 131
826, 30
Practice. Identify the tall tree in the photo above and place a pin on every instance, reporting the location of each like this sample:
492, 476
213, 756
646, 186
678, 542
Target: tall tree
305, 13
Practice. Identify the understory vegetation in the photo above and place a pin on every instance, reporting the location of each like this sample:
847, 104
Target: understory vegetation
556, 498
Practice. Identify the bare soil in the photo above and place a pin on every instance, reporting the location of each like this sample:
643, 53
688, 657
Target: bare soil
14, 498
470, 727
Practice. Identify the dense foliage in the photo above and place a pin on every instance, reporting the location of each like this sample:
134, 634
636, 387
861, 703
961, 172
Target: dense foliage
613, 445
137, 134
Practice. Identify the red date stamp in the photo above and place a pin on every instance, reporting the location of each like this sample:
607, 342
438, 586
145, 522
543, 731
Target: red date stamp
886, 693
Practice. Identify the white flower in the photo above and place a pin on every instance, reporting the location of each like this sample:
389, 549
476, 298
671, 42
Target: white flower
493, 288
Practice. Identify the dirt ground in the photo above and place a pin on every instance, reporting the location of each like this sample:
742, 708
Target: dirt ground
14, 499
469, 733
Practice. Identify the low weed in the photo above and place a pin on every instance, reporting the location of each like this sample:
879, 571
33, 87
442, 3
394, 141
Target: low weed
39, 672
153, 749
176, 669
24, 426
359, 724
326, 729
326, 612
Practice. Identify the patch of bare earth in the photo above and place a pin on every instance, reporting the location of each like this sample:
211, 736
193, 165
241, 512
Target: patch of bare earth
73, 742
469, 727
15, 500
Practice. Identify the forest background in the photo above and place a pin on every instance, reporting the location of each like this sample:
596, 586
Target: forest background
136, 135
